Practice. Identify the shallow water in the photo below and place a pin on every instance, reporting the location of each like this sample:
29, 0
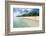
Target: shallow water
20, 22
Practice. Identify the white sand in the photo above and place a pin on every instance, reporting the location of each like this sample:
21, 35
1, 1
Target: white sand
34, 18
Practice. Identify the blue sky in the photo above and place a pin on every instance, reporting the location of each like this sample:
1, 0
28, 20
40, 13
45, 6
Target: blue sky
20, 11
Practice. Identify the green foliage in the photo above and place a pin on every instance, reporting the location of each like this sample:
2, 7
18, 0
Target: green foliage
30, 14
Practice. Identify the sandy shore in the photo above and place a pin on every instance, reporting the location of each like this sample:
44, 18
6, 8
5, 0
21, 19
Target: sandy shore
35, 18
32, 21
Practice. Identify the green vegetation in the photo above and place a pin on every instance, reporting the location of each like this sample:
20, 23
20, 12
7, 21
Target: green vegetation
34, 12
30, 14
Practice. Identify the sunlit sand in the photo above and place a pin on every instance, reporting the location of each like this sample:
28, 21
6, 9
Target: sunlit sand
32, 21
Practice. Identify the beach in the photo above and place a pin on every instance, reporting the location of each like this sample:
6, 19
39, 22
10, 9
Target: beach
20, 22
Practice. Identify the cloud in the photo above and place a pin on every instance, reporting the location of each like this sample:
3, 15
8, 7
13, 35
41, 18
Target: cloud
20, 11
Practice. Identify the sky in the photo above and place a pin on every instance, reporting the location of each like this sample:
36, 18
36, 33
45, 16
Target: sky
20, 11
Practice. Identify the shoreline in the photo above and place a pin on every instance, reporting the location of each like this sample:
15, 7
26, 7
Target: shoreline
33, 18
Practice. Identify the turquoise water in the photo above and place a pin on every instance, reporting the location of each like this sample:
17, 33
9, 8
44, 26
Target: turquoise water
20, 22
